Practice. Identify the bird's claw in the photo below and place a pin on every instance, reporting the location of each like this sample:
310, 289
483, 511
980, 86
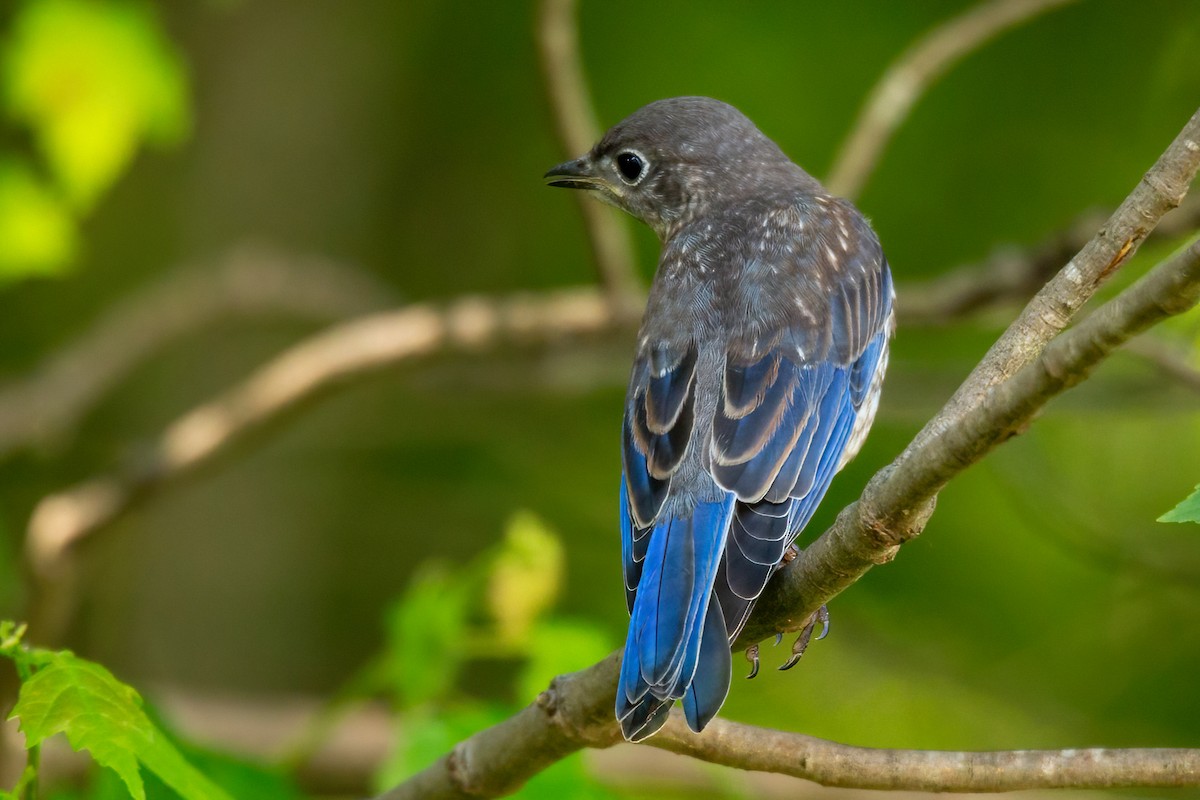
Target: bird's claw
801, 643
752, 657
778, 639
823, 618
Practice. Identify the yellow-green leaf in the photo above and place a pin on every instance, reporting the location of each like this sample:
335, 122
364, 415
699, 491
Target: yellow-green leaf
37, 234
93, 80
526, 576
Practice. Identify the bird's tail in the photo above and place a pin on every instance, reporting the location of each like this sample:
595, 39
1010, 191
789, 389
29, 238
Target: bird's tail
677, 646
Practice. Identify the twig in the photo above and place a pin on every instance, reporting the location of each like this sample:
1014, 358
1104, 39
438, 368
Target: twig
1170, 361
318, 364
576, 710
250, 281
577, 129
912, 74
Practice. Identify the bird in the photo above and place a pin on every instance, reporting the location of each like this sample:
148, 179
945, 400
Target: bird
756, 377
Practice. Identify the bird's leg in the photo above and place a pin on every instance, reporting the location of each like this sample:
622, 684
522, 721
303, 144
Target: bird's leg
752, 657
789, 555
801, 643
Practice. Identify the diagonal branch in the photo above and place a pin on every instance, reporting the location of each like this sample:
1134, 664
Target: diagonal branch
577, 129
912, 74
362, 346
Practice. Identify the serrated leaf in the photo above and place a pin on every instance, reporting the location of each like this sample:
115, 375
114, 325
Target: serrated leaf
1186, 511
98, 713
93, 81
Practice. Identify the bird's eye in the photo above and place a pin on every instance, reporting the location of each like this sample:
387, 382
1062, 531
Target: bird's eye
631, 166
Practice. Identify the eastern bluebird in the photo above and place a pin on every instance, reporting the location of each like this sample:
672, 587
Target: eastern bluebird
757, 376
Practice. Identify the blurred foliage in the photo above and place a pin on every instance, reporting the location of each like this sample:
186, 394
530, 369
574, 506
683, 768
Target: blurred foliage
491, 613
92, 81
37, 234
1188, 509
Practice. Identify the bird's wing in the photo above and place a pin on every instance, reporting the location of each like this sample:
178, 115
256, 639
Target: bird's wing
795, 404
657, 427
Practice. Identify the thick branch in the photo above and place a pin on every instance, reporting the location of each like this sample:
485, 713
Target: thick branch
577, 129
912, 74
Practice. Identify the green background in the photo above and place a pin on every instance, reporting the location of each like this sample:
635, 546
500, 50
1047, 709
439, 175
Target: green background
1042, 607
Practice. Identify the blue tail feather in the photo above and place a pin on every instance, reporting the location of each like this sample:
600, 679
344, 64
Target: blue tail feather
714, 670
669, 613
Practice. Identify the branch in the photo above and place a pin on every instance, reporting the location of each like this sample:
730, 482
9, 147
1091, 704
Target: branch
831, 764
1161, 189
577, 129
900, 498
910, 75
250, 281
1171, 361
314, 366
576, 710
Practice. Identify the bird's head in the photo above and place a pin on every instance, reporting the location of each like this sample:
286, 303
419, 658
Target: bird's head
668, 161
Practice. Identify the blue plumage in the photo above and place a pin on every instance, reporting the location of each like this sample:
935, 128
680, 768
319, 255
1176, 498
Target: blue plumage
757, 375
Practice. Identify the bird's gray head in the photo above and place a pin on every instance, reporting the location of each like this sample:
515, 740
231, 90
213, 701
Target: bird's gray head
669, 161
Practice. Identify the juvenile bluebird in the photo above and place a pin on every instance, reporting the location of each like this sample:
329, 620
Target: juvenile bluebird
757, 376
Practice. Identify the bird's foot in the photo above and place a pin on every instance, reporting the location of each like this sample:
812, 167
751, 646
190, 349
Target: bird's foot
752, 657
789, 555
801, 643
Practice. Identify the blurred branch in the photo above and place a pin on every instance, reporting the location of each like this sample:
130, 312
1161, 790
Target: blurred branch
250, 281
343, 353
1013, 274
1171, 361
910, 75
577, 130
1015, 380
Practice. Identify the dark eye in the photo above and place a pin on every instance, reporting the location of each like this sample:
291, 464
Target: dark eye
631, 166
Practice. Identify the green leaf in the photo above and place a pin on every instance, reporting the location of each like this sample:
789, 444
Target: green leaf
425, 628
98, 713
1186, 511
37, 233
93, 80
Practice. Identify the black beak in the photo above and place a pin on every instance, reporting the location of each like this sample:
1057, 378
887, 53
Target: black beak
575, 174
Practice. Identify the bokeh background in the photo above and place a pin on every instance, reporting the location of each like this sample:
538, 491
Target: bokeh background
383, 153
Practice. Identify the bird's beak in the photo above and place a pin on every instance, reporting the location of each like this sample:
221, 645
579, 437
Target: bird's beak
577, 174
